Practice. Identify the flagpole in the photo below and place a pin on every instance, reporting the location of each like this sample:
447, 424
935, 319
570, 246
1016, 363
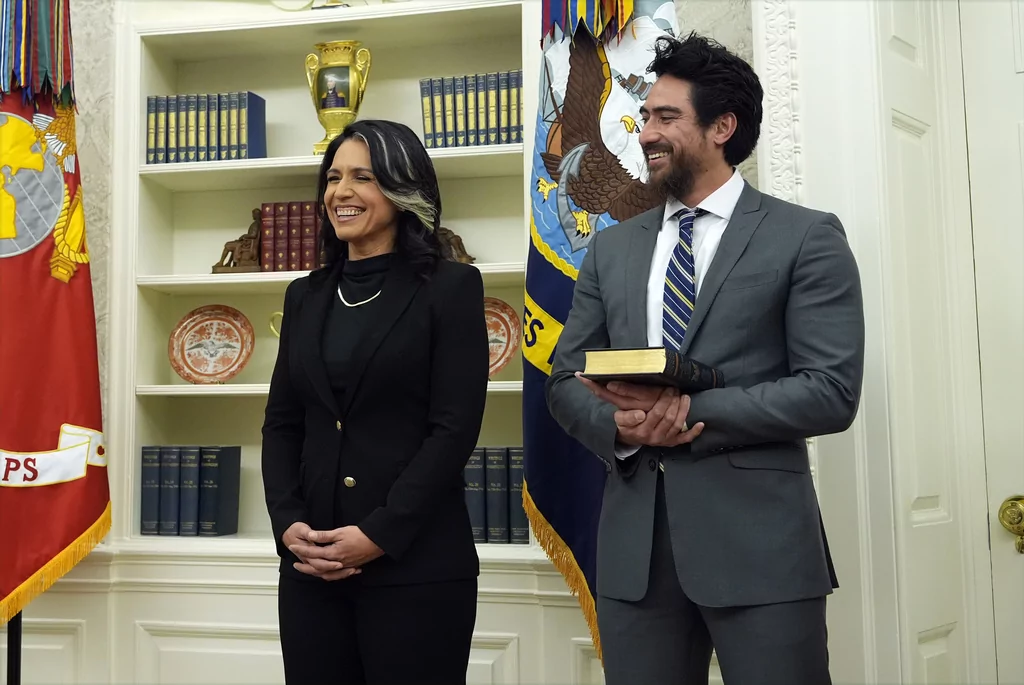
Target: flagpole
14, 650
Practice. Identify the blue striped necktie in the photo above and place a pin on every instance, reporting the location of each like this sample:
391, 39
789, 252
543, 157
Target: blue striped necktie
680, 283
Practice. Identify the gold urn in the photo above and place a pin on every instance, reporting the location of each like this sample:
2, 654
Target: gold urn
337, 75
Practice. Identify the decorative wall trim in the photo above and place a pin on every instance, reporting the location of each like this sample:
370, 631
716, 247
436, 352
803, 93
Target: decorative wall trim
38, 634
497, 651
158, 642
778, 153
584, 665
778, 161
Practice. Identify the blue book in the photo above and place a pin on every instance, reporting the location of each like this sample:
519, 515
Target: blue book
212, 127
149, 497
471, 110
219, 480
170, 482
428, 113
460, 111
449, 111
515, 118
161, 129
192, 127
150, 129
503, 107
172, 129
252, 126
437, 100
188, 492
182, 128
222, 124
202, 128
493, 114
481, 109
233, 124
496, 495
476, 503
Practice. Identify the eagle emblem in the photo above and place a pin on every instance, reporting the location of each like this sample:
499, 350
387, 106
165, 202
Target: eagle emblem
58, 133
577, 160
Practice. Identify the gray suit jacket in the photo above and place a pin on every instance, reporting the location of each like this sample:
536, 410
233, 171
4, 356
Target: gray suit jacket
780, 313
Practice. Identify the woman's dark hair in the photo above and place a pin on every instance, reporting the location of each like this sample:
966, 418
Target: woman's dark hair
405, 176
720, 82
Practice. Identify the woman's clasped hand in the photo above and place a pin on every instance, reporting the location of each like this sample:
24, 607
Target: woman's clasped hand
330, 554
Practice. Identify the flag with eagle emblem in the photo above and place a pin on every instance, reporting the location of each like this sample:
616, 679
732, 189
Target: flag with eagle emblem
54, 493
589, 172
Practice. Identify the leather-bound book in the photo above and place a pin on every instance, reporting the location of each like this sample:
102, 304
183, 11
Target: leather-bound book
651, 366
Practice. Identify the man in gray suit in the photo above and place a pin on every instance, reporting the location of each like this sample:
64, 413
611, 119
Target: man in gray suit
710, 534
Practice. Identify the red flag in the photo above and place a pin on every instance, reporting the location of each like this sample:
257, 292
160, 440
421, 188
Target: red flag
54, 493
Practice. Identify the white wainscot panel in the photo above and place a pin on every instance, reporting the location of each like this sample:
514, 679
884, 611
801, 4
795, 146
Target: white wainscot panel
51, 651
493, 658
174, 653
586, 666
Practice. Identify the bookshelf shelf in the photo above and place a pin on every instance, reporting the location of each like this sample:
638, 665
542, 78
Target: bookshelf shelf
416, 24
482, 161
262, 389
275, 283
260, 548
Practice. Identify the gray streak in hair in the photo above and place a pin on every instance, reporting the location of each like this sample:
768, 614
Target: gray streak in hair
414, 201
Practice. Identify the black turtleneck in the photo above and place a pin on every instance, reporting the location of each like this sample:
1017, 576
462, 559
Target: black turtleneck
360, 280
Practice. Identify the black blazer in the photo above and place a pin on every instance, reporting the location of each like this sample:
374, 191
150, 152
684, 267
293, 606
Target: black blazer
405, 431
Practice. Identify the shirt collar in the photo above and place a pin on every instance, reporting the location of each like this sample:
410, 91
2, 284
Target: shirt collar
721, 203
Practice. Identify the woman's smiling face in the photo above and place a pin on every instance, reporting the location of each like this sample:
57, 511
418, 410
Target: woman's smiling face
359, 213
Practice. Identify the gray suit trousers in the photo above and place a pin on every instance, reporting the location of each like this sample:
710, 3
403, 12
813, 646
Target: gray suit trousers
666, 639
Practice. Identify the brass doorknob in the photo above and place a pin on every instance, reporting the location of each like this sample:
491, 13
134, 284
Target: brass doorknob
1011, 515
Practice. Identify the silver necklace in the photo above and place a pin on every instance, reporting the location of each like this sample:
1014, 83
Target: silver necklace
355, 304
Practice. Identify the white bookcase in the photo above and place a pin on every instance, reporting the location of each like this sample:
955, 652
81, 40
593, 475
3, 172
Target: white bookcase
173, 219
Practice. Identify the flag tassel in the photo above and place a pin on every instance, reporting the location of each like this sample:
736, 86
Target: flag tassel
565, 563
41, 581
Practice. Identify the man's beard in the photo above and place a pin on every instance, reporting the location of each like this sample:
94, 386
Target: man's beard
678, 181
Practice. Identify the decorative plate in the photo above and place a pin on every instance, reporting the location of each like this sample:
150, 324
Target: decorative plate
504, 332
211, 344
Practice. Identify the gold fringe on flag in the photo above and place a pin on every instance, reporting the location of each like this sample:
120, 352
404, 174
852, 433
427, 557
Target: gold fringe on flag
45, 577
562, 557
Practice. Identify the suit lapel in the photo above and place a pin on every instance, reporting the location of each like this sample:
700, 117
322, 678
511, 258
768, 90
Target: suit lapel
745, 220
400, 285
638, 272
314, 313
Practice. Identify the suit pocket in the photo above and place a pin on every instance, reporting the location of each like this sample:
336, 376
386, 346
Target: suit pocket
743, 281
792, 460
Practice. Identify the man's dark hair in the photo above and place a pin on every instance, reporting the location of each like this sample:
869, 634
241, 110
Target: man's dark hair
720, 82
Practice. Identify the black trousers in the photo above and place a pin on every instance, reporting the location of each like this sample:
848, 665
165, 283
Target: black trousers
666, 639
346, 633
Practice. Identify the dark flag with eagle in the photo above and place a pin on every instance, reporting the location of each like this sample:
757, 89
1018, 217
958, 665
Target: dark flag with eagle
54, 493
588, 173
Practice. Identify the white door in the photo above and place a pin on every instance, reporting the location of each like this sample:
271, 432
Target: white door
993, 59
935, 409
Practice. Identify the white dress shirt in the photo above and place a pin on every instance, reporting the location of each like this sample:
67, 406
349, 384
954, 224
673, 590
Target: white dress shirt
707, 234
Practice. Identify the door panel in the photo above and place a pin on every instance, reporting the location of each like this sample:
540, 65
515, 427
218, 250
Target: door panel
993, 59
928, 216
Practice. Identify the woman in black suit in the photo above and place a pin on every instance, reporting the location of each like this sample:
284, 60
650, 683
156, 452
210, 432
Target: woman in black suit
375, 406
